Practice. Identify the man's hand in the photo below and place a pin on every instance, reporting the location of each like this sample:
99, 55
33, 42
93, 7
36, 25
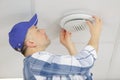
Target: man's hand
65, 39
95, 30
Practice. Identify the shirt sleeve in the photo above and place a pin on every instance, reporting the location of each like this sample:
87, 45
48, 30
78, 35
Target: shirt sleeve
87, 56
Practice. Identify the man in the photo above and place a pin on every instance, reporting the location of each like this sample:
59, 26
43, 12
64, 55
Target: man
26, 38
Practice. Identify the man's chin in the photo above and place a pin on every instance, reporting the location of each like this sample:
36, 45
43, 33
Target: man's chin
49, 42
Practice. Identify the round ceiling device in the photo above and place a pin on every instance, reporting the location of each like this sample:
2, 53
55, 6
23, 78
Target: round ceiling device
76, 22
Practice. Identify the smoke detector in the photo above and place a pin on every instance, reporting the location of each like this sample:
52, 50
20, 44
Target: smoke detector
76, 22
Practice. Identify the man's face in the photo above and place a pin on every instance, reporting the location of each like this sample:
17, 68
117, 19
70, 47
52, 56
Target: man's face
38, 36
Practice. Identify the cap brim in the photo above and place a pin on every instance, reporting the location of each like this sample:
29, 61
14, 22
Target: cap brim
33, 21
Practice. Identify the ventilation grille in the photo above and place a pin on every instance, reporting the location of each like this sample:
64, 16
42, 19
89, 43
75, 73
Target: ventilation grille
75, 25
76, 22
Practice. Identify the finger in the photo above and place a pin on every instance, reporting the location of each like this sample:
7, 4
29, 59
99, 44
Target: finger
68, 34
89, 24
97, 19
62, 32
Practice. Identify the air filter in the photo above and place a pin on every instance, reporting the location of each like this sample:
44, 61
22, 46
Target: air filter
76, 22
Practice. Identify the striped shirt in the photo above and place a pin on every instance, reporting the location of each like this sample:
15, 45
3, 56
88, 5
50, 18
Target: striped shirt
46, 66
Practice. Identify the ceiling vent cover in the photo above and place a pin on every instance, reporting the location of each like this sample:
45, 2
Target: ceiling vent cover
76, 22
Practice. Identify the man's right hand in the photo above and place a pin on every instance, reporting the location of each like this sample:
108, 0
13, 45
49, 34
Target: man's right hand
65, 39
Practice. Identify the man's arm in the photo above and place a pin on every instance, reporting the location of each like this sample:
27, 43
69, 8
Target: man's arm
65, 39
95, 30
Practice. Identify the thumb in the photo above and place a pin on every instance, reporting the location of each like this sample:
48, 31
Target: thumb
68, 34
90, 25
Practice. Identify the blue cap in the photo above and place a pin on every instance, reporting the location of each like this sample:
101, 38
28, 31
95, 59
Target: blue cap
18, 33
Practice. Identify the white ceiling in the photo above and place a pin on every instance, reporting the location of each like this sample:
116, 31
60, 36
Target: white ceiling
50, 12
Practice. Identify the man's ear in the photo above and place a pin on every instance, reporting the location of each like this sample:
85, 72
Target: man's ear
30, 43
